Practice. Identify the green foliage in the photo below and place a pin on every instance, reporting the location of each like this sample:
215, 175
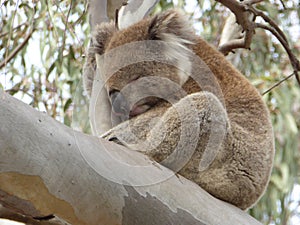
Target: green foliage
275, 206
46, 73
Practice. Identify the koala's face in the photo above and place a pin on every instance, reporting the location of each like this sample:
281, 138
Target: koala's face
136, 75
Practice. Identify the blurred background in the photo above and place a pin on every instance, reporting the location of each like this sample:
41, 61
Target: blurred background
42, 51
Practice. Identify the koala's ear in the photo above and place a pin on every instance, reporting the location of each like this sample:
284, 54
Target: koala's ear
171, 26
101, 37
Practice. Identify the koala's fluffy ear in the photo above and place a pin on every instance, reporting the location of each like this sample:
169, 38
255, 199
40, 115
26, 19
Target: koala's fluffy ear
172, 26
101, 37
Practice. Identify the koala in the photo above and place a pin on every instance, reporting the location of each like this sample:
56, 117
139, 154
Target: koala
221, 140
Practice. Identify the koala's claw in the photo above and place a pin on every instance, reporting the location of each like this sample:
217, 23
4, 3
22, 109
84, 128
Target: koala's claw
110, 136
113, 139
116, 140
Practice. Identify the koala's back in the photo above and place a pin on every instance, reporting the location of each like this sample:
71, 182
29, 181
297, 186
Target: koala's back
244, 164
241, 169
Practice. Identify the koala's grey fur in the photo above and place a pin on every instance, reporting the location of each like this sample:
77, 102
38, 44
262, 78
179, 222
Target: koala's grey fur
240, 170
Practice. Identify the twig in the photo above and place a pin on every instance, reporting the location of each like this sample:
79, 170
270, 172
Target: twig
16, 50
252, 2
65, 31
83, 13
267, 19
55, 32
68, 25
283, 5
233, 44
2, 4
15, 28
294, 61
10, 32
277, 84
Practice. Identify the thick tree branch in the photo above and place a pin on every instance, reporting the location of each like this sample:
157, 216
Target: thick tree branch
242, 18
50, 169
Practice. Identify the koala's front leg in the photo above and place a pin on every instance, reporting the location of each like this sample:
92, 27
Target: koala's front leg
133, 133
117, 134
190, 133
124, 134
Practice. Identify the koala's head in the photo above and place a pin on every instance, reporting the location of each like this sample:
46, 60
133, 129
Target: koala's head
143, 64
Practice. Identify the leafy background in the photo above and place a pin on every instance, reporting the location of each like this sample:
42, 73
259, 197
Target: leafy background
42, 50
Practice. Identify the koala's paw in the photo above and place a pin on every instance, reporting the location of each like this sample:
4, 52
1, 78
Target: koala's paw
111, 136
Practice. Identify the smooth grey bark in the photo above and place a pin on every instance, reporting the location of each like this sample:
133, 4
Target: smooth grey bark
97, 12
46, 165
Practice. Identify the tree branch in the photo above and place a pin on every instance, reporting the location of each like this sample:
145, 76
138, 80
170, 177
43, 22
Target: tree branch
16, 50
50, 169
277, 84
242, 18
241, 11
15, 28
294, 61
66, 23
283, 4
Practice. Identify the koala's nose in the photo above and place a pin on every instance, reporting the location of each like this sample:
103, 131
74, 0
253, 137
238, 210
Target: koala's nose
119, 105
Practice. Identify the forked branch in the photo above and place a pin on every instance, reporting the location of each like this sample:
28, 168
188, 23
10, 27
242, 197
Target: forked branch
245, 14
